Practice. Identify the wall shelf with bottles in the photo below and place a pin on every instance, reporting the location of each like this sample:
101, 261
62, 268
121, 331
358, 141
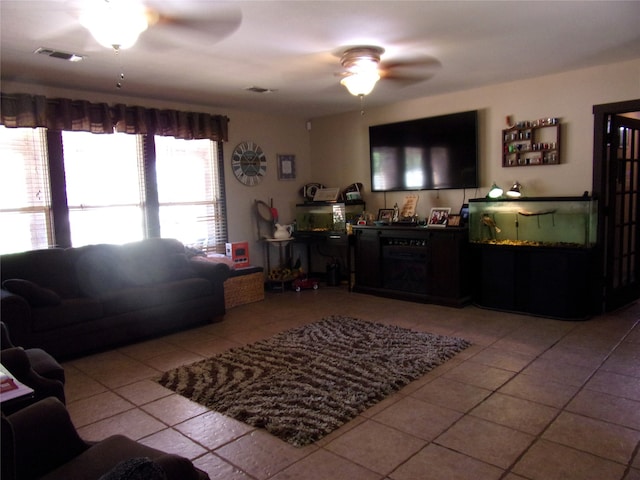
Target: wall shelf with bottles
531, 143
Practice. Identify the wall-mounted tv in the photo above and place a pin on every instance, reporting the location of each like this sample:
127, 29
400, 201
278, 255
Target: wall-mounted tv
425, 154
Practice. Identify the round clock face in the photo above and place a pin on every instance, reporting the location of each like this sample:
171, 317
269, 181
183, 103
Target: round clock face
249, 163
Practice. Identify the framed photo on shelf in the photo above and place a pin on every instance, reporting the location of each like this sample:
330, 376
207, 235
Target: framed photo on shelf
286, 167
453, 220
385, 215
439, 217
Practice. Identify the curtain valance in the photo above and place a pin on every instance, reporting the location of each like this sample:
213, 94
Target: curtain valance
24, 110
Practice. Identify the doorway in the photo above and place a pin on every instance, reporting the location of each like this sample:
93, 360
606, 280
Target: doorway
616, 183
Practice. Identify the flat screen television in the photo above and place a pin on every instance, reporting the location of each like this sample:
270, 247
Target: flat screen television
431, 153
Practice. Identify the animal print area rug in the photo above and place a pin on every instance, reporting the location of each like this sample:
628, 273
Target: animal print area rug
304, 383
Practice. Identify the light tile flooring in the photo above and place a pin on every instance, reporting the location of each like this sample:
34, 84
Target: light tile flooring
533, 398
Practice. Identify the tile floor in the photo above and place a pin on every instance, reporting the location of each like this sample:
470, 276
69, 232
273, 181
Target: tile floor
533, 398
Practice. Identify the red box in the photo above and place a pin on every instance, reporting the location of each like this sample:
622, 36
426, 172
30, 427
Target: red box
238, 252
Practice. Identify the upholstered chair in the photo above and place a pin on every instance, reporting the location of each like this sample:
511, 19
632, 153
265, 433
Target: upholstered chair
43, 363
40, 442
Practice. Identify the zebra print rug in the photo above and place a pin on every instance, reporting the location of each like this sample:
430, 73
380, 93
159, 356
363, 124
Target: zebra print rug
304, 383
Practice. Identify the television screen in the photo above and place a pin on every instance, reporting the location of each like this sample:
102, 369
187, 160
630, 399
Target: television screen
426, 154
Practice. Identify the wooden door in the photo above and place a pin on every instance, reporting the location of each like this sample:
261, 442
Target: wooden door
616, 184
622, 244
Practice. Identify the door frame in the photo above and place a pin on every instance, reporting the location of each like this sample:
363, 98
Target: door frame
602, 114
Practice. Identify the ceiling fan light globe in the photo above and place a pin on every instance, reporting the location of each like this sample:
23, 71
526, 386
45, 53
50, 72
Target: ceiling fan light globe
360, 84
115, 23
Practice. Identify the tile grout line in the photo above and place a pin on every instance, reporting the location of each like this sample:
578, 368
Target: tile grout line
562, 409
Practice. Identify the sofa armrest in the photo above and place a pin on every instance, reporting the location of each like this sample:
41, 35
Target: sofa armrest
16, 360
15, 312
43, 438
214, 272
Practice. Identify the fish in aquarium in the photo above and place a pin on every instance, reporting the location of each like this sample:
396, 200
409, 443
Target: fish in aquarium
490, 222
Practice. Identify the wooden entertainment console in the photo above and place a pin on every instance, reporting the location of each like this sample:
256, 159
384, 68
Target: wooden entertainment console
413, 263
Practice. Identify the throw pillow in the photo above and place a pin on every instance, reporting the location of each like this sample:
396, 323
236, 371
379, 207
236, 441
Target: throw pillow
135, 469
34, 294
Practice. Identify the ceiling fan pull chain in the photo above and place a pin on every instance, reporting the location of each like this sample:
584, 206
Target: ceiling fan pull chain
361, 105
120, 79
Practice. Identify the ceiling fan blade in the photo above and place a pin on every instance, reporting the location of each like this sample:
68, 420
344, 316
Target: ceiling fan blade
422, 62
187, 24
410, 71
406, 80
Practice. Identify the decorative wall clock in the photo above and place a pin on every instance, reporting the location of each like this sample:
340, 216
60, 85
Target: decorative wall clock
249, 163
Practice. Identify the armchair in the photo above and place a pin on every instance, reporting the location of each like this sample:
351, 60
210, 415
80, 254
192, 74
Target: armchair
43, 363
33, 367
40, 442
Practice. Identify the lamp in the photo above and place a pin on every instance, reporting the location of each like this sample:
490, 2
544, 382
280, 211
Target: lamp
115, 23
515, 191
361, 64
495, 191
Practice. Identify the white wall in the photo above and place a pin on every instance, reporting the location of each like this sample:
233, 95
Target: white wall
336, 152
340, 149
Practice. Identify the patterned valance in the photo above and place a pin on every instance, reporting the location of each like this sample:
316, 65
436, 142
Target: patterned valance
24, 110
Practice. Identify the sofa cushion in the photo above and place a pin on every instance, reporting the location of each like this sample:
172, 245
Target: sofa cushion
180, 267
136, 298
71, 311
49, 268
138, 468
106, 454
33, 293
155, 260
100, 269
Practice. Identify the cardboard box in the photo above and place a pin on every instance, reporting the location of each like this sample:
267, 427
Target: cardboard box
238, 252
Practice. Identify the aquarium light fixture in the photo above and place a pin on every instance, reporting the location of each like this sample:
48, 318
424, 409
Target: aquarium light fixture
495, 191
515, 191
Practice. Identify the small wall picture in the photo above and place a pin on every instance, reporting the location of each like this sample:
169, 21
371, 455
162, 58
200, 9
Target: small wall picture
286, 167
438, 217
385, 215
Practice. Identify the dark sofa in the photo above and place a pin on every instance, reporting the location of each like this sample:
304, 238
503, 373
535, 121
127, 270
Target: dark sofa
75, 301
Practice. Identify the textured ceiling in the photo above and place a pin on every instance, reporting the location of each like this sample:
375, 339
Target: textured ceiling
212, 51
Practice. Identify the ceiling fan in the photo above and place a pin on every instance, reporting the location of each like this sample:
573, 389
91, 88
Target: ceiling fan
117, 24
363, 68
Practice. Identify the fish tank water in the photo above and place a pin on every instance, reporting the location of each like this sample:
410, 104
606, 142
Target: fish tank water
327, 216
535, 221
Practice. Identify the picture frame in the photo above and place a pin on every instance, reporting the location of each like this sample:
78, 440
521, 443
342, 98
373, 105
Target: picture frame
326, 194
464, 214
439, 217
453, 220
286, 167
385, 215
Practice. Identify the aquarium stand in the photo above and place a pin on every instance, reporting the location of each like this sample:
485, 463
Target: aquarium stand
543, 281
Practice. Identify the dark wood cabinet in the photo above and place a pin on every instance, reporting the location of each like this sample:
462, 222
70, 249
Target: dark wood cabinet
413, 263
545, 281
367, 258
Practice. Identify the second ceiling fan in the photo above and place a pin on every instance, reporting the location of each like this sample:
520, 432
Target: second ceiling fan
363, 68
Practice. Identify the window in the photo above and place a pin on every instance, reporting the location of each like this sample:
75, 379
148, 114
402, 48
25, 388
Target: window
192, 207
104, 192
25, 199
108, 199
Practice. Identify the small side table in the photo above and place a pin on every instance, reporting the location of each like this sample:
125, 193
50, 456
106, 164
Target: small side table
284, 252
13, 395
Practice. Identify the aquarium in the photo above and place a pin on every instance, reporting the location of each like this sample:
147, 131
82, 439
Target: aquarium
538, 222
327, 216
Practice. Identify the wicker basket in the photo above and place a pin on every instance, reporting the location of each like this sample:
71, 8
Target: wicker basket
243, 289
